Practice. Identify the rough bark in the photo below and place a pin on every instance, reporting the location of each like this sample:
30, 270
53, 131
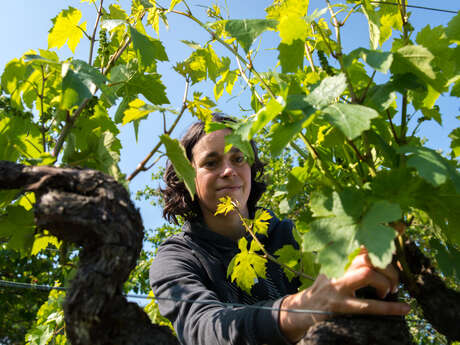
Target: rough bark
440, 304
94, 211
360, 329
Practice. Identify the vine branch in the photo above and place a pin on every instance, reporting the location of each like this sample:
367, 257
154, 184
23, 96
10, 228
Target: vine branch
41, 96
226, 45
267, 255
93, 36
245, 78
339, 54
142, 165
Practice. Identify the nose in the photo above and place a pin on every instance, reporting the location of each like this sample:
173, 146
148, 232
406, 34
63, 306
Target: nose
228, 169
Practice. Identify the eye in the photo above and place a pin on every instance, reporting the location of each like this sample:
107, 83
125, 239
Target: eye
210, 164
240, 159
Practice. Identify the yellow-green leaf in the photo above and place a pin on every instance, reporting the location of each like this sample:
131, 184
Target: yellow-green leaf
246, 267
42, 242
225, 206
261, 222
292, 28
66, 29
173, 4
136, 111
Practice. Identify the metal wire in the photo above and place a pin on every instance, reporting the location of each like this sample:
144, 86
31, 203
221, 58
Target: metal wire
415, 6
10, 284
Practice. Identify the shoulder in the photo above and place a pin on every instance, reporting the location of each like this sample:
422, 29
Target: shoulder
175, 254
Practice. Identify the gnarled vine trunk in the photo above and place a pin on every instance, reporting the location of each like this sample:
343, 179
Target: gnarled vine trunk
94, 211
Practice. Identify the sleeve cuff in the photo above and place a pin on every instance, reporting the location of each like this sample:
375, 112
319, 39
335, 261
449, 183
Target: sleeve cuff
267, 324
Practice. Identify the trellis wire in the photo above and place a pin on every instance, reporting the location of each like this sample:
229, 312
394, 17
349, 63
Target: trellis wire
415, 6
11, 284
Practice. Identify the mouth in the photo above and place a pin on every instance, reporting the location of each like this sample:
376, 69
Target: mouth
229, 189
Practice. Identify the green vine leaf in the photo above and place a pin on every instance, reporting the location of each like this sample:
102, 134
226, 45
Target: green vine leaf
351, 119
373, 19
291, 56
184, 170
137, 110
246, 30
74, 90
380, 61
289, 256
17, 224
430, 165
343, 224
201, 64
376, 237
453, 29
273, 108
148, 50
417, 60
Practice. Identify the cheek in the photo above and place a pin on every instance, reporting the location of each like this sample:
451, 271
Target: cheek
202, 182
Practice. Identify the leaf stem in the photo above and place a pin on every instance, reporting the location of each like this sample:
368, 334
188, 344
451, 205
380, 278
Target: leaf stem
339, 54
349, 13
267, 255
401, 256
246, 79
362, 158
116, 55
402, 136
93, 36
393, 130
309, 57
41, 96
366, 90
141, 165
319, 162
67, 127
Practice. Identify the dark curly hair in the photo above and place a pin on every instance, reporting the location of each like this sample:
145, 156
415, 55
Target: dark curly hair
177, 200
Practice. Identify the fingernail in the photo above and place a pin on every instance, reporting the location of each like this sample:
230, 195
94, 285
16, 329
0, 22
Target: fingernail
395, 289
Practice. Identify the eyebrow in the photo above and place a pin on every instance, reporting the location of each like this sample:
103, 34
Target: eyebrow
213, 154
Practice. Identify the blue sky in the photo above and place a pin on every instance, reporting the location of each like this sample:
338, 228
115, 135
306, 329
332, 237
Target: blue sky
24, 25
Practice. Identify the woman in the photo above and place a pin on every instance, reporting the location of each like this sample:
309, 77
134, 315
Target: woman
192, 266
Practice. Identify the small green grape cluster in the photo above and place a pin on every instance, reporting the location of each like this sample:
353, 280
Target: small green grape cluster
89, 109
103, 50
324, 63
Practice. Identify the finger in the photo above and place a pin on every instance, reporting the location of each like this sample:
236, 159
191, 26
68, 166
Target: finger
392, 275
363, 259
375, 307
365, 276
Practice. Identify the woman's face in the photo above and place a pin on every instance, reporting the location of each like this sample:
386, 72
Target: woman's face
220, 174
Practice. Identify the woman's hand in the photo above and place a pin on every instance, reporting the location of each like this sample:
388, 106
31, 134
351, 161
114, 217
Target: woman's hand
338, 296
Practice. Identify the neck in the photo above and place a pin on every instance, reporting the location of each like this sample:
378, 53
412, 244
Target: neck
229, 226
